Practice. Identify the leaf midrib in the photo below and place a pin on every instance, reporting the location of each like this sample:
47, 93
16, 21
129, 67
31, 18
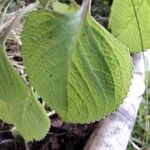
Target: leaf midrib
73, 48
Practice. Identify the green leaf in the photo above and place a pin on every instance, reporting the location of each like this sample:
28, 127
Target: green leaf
79, 69
18, 104
148, 75
43, 2
62, 8
125, 25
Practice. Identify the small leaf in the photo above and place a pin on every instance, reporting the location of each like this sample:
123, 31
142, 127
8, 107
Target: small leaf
18, 104
43, 2
60, 7
79, 68
125, 23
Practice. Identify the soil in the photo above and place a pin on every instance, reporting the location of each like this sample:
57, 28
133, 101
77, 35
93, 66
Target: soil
62, 136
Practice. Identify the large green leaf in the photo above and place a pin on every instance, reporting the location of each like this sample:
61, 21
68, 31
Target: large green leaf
79, 68
148, 74
128, 18
18, 104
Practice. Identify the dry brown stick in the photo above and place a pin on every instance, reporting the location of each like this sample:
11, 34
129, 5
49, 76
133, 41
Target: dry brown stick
12, 21
8, 21
114, 131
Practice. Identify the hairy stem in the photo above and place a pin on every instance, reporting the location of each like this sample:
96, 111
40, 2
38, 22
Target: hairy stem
86, 7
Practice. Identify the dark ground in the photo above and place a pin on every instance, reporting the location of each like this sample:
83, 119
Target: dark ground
61, 136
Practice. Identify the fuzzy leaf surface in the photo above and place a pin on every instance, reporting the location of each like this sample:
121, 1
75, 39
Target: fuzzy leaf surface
79, 69
18, 104
123, 23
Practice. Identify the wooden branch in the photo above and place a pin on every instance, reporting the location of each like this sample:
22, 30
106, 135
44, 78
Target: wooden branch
114, 131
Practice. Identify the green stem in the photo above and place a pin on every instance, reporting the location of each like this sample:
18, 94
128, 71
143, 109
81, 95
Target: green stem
146, 77
138, 25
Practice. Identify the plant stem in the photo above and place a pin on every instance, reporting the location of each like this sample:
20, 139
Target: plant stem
86, 7
146, 77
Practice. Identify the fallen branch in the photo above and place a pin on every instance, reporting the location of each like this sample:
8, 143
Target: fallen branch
114, 131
